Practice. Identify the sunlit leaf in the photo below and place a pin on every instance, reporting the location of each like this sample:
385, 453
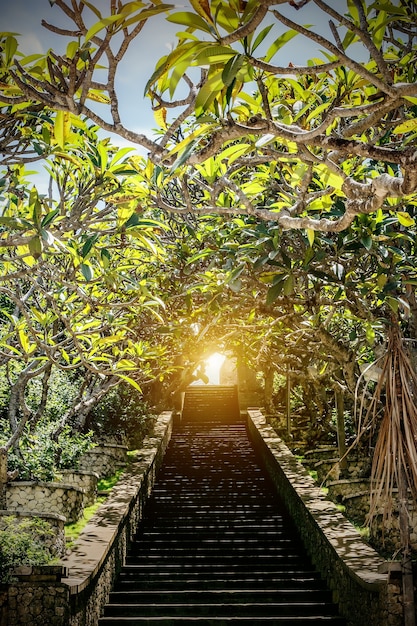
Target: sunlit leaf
405, 218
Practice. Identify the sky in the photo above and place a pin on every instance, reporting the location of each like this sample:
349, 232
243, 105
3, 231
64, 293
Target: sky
157, 38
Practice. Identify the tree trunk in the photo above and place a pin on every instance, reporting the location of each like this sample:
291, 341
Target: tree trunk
3, 478
288, 402
406, 562
341, 433
269, 389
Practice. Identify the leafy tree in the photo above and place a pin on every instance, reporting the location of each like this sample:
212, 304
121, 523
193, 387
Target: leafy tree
317, 145
77, 289
315, 168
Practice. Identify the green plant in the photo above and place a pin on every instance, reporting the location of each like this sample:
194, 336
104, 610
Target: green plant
40, 456
121, 412
72, 531
108, 482
22, 543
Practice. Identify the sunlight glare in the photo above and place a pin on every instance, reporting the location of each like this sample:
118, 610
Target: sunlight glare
213, 365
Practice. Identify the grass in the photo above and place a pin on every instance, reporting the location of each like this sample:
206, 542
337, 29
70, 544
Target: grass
73, 531
108, 482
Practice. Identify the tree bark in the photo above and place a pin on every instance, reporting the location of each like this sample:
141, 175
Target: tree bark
406, 562
341, 433
3, 478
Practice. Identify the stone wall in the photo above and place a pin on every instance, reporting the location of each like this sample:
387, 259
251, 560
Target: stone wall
104, 459
351, 567
37, 598
46, 497
106, 537
325, 461
74, 593
55, 544
84, 480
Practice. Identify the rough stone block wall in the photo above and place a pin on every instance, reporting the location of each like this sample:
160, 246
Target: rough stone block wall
37, 598
112, 527
83, 480
74, 595
104, 460
351, 567
51, 497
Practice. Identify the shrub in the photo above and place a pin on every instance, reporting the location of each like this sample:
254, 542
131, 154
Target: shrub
41, 457
22, 543
122, 412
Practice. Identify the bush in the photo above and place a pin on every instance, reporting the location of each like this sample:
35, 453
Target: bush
22, 543
41, 457
63, 388
122, 412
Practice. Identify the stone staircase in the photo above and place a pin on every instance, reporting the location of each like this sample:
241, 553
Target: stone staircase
215, 545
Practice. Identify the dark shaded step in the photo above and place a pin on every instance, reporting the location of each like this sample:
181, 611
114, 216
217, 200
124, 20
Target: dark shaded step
161, 582
327, 620
228, 609
215, 545
194, 597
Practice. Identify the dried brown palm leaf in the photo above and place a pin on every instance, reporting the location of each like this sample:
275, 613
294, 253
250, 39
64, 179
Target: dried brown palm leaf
395, 456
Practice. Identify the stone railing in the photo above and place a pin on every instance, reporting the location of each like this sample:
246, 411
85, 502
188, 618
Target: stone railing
47, 497
74, 593
100, 550
353, 570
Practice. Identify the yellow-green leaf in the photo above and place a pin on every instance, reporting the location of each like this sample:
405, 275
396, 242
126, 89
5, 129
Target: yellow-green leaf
130, 381
62, 128
405, 218
406, 127
310, 236
202, 7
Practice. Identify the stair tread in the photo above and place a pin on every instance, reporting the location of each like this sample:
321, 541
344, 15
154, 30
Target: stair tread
215, 544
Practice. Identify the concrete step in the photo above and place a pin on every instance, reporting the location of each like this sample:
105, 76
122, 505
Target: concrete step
233, 595
219, 609
326, 620
216, 545
166, 581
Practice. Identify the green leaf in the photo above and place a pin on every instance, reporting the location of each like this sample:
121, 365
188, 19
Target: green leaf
126, 364
405, 218
208, 93
62, 127
183, 157
366, 241
87, 271
289, 285
261, 36
130, 381
278, 43
311, 236
88, 245
49, 218
191, 20
274, 292
214, 54
35, 247
98, 26
10, 48
231, 68
406, 127
186, 51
